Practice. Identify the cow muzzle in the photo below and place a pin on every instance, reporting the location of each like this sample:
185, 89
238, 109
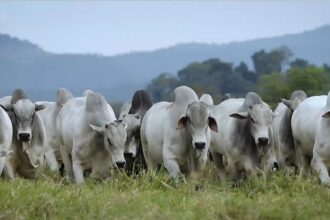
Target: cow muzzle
200, 145
24, 137
120, 164
263, 141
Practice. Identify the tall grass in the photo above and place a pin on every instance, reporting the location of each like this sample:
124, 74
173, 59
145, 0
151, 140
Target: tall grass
153, 196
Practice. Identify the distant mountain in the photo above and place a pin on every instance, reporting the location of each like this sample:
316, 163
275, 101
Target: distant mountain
40, 73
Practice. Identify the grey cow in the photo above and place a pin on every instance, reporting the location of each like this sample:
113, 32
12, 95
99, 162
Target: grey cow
282, 132
48, 116
90, 137
244, 139
29, 137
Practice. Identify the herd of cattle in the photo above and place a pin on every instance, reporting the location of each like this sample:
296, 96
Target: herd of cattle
242, 136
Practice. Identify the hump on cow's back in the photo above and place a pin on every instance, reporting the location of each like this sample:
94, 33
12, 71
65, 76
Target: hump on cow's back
95, 102
298, 94
141, 101
63, 95
17, 95
184, 95
252, 98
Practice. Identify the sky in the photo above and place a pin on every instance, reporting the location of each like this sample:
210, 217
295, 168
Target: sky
116, 27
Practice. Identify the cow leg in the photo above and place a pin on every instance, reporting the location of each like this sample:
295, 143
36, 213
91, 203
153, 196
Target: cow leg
9, 170
248, 167
232, 170
67, 163
320, 168
2, 164
51, 159
151, 164
173, 168
305, 169
78, 171
218, 160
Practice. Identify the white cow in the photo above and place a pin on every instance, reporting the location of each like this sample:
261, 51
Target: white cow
48, 116
282, 132
244, 139
310, 129
6, 135
29, 137
177, 134
90, 137
321, 151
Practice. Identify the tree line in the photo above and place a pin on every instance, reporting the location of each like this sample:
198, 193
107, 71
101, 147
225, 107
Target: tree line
275, 75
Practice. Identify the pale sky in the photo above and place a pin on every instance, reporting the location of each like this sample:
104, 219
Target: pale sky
115, 27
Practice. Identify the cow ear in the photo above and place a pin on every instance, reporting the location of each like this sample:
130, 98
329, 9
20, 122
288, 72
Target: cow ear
7, 108
213, 124
39, 107
240, 115
286, 102
326, 115
97, 128
182, 123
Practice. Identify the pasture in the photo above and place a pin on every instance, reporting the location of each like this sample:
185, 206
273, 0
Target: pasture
153, 196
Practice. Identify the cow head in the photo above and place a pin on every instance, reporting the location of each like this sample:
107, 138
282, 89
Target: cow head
24, 115
114, 140
133, 122
296, 98
197, 120
259, 118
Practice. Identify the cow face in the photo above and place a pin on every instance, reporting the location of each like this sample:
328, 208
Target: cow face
260, 117
24, 113
133, 122
114, 140
197, 120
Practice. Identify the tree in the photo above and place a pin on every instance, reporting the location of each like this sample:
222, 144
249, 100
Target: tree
313, 80
272, 87
299, 63
244, 71
161, 86
267, 63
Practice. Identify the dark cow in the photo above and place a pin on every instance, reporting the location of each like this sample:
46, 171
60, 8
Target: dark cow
135, 161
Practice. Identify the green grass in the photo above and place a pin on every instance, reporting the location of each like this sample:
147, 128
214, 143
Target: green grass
152, 196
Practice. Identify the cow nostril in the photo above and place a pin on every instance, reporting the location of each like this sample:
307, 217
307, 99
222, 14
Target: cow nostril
275, 166
200, 145
120, 164
24, 136
263, 141
128, 155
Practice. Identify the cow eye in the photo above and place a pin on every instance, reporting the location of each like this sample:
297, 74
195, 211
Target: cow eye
137, 117
252, 120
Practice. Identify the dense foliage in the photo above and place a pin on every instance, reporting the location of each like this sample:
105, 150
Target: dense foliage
275, 76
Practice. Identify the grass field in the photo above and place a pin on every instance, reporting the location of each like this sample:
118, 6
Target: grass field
152, 196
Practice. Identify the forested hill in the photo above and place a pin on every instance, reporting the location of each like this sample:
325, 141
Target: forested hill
40, 73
